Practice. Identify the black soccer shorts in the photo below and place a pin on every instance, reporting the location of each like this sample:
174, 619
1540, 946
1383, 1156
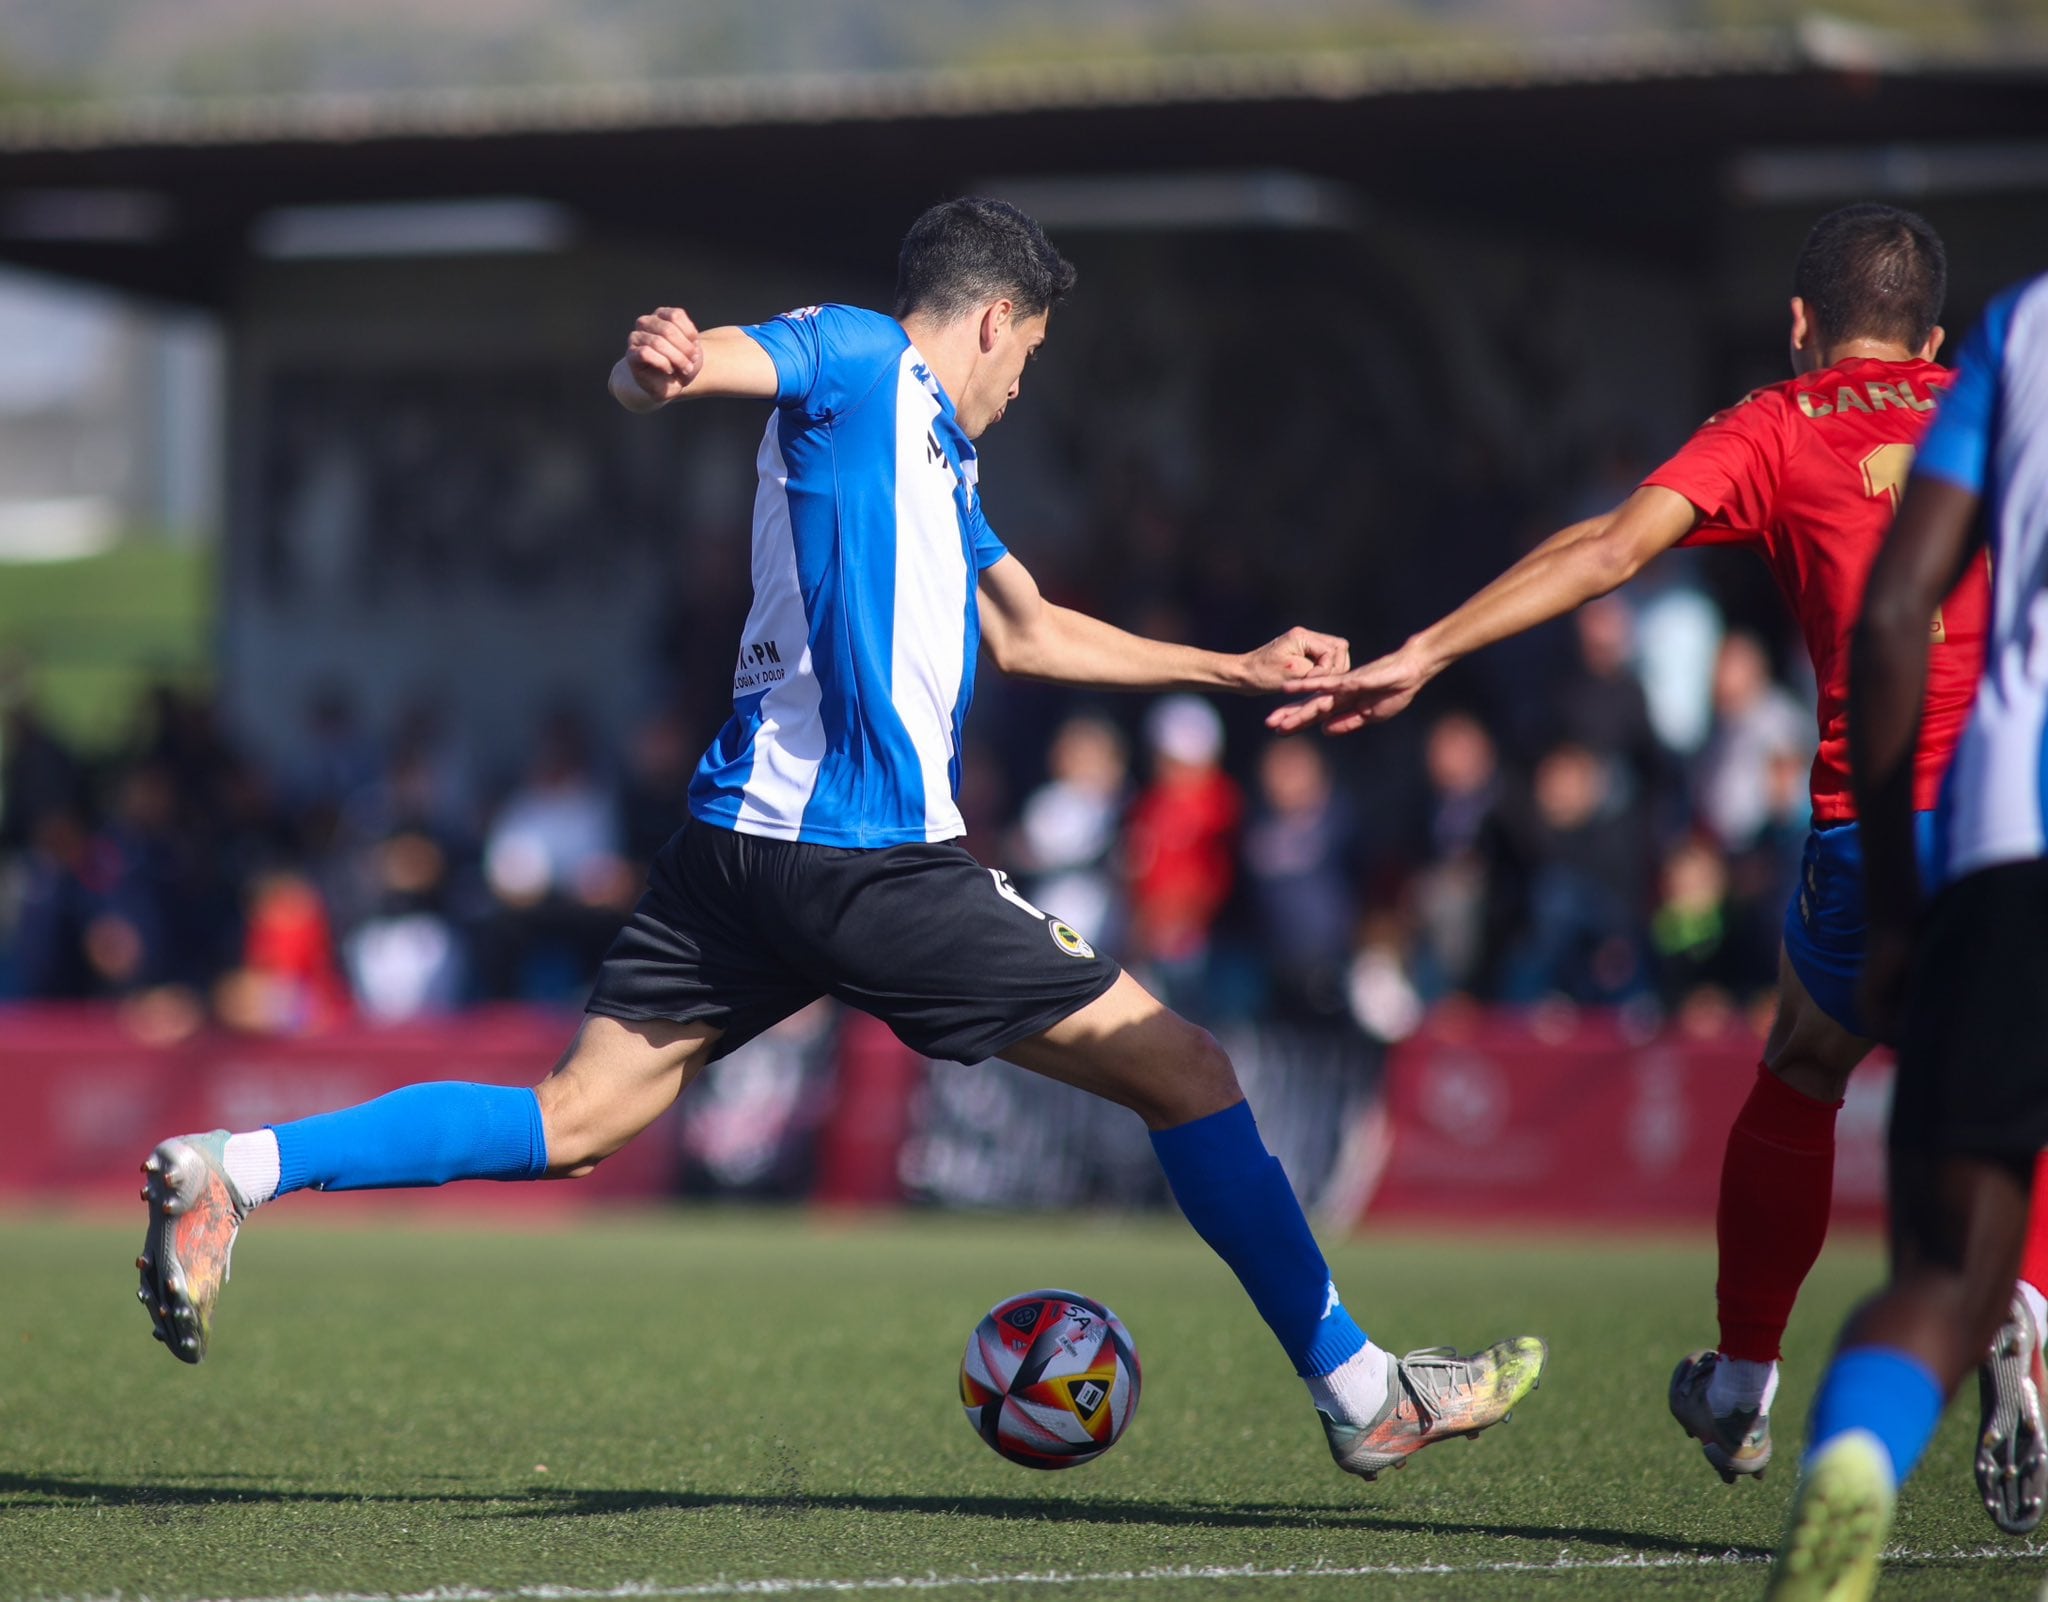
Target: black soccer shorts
740, 931
1973, 1046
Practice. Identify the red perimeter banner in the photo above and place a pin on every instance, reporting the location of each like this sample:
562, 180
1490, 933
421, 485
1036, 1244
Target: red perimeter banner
1491, 1118
1501, 1118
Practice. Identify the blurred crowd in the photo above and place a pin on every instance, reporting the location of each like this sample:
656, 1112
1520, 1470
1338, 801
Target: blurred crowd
1602, 855
1609, 812
366, 877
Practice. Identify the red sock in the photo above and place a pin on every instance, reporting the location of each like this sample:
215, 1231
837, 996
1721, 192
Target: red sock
2034, 1259
1777, 1182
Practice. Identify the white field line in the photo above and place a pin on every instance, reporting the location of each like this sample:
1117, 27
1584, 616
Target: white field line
653, 1591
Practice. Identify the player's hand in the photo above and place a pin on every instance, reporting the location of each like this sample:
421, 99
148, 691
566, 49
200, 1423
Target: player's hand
663, 353
1298, 656
1881, 995
1343, 702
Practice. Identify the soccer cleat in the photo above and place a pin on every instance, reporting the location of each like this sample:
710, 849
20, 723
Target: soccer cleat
2012, 1459
1433, 1395
194, 1212
1839, 1521
1734, 1443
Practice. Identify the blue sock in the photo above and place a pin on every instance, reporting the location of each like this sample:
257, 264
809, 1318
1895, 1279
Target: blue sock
1882, 1390
1236, 1195
421, 1135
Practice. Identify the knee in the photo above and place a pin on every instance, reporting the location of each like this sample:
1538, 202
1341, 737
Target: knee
614, 1081
575, 1147
581, 1130
1211, 1070
1201, 1081
1810, 1075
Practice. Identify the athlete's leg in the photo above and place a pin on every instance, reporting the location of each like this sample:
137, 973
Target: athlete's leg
691, 971
1126, 1046
1771, 1218
1958, 1223
1777, 1175
962, 967
612, 1082
1969, 1117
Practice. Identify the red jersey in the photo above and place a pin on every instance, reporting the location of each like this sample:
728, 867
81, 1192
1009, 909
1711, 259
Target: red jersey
1809, 472
1181, 854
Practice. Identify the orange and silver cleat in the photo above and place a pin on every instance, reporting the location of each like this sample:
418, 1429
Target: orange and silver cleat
194, 1214
1434, 1394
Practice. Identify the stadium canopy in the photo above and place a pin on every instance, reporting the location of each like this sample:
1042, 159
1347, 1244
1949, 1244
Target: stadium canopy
1639, 146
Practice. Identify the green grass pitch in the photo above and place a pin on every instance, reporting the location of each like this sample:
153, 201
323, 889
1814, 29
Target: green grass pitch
713, 1403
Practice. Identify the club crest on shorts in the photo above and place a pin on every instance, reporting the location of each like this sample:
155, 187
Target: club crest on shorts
1068, 939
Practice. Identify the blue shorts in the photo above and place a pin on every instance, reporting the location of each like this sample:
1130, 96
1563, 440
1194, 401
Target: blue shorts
1824, 923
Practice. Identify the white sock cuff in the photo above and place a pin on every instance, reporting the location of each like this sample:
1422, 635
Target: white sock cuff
2037, 1304
1356, 1389
252, 1164
1738, 1384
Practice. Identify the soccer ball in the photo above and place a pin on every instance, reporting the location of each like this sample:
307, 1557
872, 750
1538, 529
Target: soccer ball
1050, 1379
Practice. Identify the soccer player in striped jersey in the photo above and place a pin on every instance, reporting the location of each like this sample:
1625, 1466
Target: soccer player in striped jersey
1971, 1111
821, 855
1806, 472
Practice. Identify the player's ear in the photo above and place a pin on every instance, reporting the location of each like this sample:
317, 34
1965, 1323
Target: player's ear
1805, 341
1802, 326
994, 319
1933, 344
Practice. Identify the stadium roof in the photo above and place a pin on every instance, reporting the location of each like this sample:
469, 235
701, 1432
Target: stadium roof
1633, 139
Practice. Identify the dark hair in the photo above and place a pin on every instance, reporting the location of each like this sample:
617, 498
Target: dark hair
965, 252
1872, 272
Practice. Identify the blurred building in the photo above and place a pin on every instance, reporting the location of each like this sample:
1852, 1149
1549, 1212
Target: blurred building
1338, 311
110, 418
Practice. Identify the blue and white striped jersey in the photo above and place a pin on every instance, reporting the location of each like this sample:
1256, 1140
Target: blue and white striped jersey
1991, 437
857, 665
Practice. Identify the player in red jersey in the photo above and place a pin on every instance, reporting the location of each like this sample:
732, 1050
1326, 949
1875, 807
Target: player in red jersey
1808, 473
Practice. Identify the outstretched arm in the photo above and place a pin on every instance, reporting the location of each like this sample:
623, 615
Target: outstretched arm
1031, 638
1570, 568
667, 358
1922, 560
